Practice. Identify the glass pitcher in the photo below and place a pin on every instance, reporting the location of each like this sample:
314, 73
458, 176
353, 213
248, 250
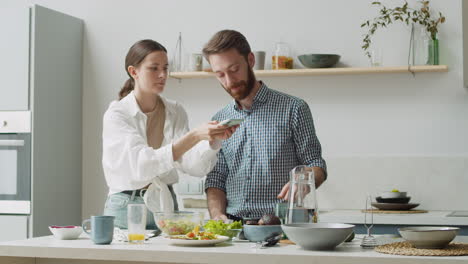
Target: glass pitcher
302, 199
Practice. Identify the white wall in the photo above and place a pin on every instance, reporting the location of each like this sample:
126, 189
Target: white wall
377, 131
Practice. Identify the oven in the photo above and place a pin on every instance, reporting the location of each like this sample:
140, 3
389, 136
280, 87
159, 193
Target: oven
15, 162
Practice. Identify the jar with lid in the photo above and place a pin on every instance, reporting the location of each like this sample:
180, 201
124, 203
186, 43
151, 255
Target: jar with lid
282, 58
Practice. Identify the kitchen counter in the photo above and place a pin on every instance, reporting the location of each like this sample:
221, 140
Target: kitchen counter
429, 218
50, 250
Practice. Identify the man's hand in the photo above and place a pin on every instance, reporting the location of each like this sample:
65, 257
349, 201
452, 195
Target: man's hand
319, 179
221, 217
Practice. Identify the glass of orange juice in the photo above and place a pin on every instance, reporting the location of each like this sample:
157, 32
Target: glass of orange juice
136, 220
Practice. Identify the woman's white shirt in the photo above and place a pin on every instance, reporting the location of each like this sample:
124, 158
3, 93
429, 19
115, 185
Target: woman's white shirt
128, 161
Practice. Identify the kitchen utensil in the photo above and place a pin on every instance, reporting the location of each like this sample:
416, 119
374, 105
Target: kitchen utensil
177, 62
429, 236
395, 206
378, 211
191, 242
259, 233
393, 194
318, 236
136, 221
178, 223
368, 241
302, 207
66, 232
122, 235
195, 62
401, 200
271, 240
282, 58
319, 60
102, 228
376, 57
259, 60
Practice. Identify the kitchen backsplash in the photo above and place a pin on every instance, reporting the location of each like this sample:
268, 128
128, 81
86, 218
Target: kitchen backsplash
436, 183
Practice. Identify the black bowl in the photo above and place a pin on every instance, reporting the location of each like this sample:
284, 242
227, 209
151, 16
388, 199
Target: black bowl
319, 60
401, 200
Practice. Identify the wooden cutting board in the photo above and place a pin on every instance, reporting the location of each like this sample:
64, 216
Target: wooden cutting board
287, 241
378, 211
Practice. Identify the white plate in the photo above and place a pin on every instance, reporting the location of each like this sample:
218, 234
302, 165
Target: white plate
188, 242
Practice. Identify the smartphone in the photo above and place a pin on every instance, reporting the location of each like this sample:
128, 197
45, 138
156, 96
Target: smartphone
231, 122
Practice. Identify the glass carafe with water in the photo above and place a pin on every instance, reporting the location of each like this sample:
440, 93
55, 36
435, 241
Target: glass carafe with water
302, 199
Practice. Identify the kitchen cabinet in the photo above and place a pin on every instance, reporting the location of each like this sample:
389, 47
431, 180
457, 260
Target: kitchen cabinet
13, 227
14, 55
465, 41
56, 80
323, 71
54, 103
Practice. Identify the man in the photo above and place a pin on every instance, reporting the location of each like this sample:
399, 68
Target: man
277, 134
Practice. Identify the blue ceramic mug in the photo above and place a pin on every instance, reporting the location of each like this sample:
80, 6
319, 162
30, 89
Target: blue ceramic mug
102, 228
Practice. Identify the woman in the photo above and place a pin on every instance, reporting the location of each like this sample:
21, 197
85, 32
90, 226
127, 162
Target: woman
146, 138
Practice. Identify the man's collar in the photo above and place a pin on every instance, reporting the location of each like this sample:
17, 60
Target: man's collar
260, 98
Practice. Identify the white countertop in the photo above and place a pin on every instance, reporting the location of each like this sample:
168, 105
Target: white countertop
357, 217
46, 249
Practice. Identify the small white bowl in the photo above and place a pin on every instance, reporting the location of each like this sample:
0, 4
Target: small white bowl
393, 195
66, 232
429, 236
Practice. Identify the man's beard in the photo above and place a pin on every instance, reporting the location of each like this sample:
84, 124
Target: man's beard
246, 87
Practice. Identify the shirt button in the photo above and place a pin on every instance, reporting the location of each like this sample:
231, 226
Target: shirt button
246, 200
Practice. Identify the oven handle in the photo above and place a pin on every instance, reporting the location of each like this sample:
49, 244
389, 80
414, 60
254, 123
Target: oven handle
11, 143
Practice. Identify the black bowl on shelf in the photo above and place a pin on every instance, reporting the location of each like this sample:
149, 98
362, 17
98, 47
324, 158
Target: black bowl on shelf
319, 60
401, 200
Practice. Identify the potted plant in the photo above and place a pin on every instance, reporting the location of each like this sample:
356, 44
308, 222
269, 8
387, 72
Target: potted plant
405, 14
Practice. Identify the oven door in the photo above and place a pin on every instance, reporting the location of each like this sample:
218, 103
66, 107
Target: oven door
15, 171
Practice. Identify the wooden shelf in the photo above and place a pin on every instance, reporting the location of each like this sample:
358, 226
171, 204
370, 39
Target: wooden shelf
322, 71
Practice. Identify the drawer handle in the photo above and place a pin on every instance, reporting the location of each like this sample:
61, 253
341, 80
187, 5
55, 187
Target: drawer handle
11, 143
5, 123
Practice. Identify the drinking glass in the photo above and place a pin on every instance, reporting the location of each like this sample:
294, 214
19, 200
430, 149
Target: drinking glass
136, 220
376, 57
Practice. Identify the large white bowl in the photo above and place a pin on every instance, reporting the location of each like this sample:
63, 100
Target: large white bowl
429, 236
317, 236
66, 232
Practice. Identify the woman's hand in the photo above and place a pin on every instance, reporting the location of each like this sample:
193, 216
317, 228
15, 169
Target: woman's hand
211, 131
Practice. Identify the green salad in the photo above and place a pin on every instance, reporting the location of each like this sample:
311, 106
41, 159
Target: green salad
220, 228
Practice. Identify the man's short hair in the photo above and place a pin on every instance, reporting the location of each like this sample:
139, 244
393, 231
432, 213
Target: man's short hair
225, 40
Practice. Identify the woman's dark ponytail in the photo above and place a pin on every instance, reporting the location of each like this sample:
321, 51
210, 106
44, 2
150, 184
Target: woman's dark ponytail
127, 88
136, 54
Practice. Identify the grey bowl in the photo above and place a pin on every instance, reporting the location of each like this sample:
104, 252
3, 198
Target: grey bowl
258, 233
429, 236
318, 236
319, 60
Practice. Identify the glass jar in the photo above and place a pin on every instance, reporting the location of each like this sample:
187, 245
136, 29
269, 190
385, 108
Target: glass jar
302, 207
282, 58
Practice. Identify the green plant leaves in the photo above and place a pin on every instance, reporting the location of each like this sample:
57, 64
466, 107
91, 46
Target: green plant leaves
404, 14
